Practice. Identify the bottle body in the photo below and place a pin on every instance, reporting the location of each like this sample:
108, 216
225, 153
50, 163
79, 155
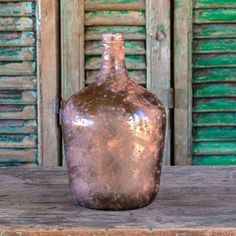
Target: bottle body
114, 135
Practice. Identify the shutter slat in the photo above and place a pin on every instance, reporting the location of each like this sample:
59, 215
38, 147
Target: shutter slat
214, 119
18, 126
214, 4
214, 160
18, 83
214, 90
17, 9
17, 97
115, 18
18, 141
18, 155
16, 24
214, 31
10, 39
214, 15
17, 68
131, 48
130, 32
214, 75
103, 5
18, 112
139, 76
17, 53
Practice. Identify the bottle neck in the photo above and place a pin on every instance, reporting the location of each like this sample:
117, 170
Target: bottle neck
113, 57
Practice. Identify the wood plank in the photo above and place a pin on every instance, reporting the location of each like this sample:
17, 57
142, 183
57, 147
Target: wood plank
105, 5
18, 126
214, 46
10, 39
214, 119
133, 62
17, 53
17, 155
214, 15
18, 97
214, 148
17, 112
214, 4
139, 76
215, 160
183, 82
135, 18
131, 48
17, 8
214, 90
214, 134
214, 105
214, 60
18, 83
16, 24
214, 30
216, 75
17, 68
130, 32
48, 72
158, 58
202, 204
18, 140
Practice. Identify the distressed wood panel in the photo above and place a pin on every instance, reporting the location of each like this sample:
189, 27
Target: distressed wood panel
214, 60
214, 15
214, 90
130, 32
214, 4
131, 48
215, 160
214, 75
18, 140
17, 68
17, 9
19, 156
215, 133
139, 76
194, 201
115, 18
9, 39
214, 105
18, 126
214, 46
214, 148
16, 24
17, 53
214, 119
18, 83
132, 62
17, 97
17, 112
107, 5
214, 31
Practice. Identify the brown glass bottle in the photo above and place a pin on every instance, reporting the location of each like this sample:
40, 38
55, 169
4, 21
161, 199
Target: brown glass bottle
114, 137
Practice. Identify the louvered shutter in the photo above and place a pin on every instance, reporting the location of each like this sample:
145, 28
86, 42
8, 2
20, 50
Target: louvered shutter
145, 24
18, 86
205, 76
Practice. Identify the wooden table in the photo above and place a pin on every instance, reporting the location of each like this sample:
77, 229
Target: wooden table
192, 201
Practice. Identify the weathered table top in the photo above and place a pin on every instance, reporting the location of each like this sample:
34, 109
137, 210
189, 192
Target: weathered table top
191, 199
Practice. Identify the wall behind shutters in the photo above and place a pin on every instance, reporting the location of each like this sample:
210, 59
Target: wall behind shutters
18, 83
214, 82
82, 25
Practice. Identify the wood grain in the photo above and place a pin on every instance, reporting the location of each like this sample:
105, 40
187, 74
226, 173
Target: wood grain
204, 203
48, 72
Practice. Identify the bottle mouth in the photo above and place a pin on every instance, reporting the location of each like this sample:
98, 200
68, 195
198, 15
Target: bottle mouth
112, 37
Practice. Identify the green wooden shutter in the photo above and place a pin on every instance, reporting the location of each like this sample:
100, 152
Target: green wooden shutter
205, 82
145, 24
18, 86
